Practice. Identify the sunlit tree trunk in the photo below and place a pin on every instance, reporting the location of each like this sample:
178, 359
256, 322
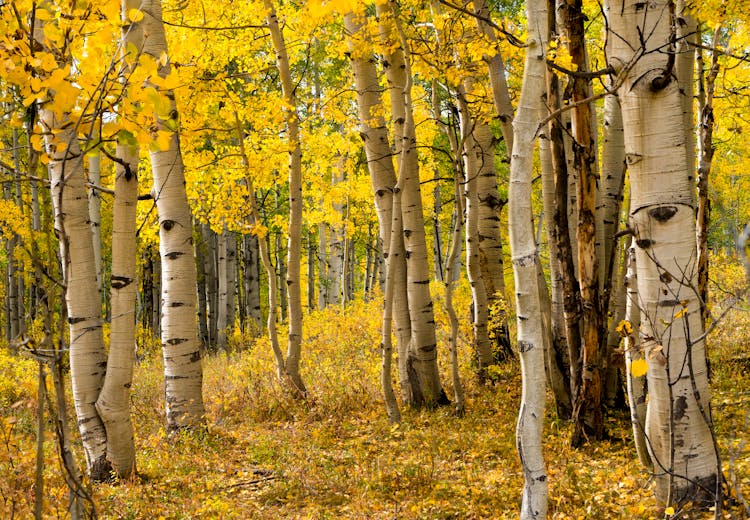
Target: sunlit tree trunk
498, 81
260, 232
422, 355
88, 362
87, 358
662, 216
179, 327
113, 404
525, 257
293, 279
383, 177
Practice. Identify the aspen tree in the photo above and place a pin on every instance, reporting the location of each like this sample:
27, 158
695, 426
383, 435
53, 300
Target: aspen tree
293, 279
82, 296
422, 354
525, 257
113, 403
587, 410
179, 327
678, 421
374, 134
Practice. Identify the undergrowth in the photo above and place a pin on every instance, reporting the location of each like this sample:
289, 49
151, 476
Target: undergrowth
265, 455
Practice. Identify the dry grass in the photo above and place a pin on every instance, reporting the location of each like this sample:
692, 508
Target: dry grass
266, 456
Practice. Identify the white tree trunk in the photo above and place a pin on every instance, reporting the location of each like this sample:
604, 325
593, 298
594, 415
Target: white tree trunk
633, 351
95, 204
525, 258
88, 363
473, 268
374, 133
662, 215
113, 404
422, 355
183, 373
293, 278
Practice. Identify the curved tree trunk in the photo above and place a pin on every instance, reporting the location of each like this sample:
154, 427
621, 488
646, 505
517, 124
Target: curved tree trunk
525, 258
637, 387
293, 279
383, 177
421, 360
480, 302
88, 363
662, 215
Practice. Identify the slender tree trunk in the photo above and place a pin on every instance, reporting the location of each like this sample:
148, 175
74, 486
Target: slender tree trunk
612, 184
422, 355
525, 257
337, 248
179, 327
95, 203
679, 427
498, 82
265, 256
222, 272
323, 281
557, 360
459, 404
311, 256
200, 261
113, 403
293, 278
561, 236
490, 241
481, 338
587, 410
210, 254
251, 272
637, 386
705, 159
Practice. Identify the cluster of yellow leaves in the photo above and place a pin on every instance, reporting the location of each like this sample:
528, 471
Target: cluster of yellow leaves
557, 52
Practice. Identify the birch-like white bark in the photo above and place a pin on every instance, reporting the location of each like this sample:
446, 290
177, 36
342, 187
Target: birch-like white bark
678, 422
293, 268
183, 372
113, 403
525, 257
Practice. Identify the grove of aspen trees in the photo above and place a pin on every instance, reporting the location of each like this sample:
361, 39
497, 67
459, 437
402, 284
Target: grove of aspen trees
374, 259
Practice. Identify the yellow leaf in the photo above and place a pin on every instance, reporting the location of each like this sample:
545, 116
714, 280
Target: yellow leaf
135, 15
669, 510
624, 328
639, 367
680, 314
163, 140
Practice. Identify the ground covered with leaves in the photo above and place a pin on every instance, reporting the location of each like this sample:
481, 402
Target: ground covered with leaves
265, 455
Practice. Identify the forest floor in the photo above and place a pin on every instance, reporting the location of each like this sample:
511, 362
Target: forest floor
267, 456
